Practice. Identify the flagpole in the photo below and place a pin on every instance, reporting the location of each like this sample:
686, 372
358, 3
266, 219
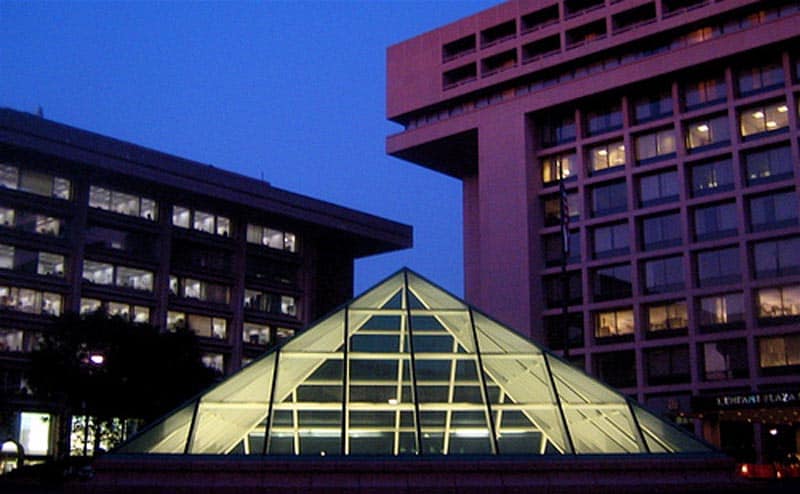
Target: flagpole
564, 220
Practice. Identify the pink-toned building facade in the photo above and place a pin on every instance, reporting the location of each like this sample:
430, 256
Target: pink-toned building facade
676, 126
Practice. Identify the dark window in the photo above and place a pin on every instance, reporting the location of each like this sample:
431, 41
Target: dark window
673, 6
655, 146
541, 48
611, 240
663, 275
194, 256
773, 211
586, 33
616, 368
554, 290
602, 120
555, 327
759, 78
655, 105
630, 18
612, 282
707, 133
706, 92
768, 165
460, 75
661, 231
667, 316
557, 128
552, 208
553, 250
540, 18
498, 63
269, 270
715, 221
574, 7
609, 199
712, 177
135, 243
777, 257
667, 365
724, 360
722, 309
459, 47
659, 188
718, 267
498, 33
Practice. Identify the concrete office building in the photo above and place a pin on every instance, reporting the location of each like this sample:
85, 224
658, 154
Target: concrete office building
91, 223
667, 133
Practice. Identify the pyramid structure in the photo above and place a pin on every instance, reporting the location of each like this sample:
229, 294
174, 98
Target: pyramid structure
408, 369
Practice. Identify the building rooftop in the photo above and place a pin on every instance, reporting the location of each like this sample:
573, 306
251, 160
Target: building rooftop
366, 234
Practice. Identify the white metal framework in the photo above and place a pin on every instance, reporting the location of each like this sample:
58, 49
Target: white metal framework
408, 369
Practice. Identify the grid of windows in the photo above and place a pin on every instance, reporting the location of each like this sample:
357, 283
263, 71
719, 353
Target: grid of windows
715, 158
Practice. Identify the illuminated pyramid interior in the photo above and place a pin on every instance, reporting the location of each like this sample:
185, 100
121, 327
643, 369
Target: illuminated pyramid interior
408, 369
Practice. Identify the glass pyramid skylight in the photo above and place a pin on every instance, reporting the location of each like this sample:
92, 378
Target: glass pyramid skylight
408, 369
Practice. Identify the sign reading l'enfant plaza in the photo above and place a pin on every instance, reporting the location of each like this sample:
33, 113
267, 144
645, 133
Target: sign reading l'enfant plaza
747, 400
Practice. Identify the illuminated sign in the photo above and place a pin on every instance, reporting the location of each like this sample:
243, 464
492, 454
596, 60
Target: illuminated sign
747, 400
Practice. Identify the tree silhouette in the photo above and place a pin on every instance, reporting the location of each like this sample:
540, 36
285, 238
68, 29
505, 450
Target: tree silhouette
112, 369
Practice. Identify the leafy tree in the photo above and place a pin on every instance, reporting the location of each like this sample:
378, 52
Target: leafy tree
111, 369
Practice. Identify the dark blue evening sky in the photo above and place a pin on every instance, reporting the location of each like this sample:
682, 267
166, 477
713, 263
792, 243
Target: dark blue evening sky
291, 91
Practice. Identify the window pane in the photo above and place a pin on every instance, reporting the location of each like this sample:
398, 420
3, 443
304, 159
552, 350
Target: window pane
718, 267
712, 177
98, 272
716, 221
36, 183
9, 176
99, 197
180, 216
721, 309
149, 209
768, 165
223, 226
203, 222
125, 203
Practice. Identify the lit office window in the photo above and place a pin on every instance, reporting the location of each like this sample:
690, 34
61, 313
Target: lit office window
208, 327
34, 182
122, 202
274, 239
30, 222
780, 351
705, 92
256, 334
765, 118
606, 156
90, 305
664, 275
613, 323
712, 177
715, 221
30, 261
214, 361
30, 301
199, 289
656, 145
201, 221
773, 211
759, 78
100, 273
775, 258
34, 433
778, 302
667, 316
768, 165
718, 267
551, 164
713, 131
107, 274
719, 309
11, 340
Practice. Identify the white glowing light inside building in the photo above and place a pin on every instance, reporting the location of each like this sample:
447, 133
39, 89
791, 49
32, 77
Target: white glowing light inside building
97, 358
702, 128
758, 114
783, 109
